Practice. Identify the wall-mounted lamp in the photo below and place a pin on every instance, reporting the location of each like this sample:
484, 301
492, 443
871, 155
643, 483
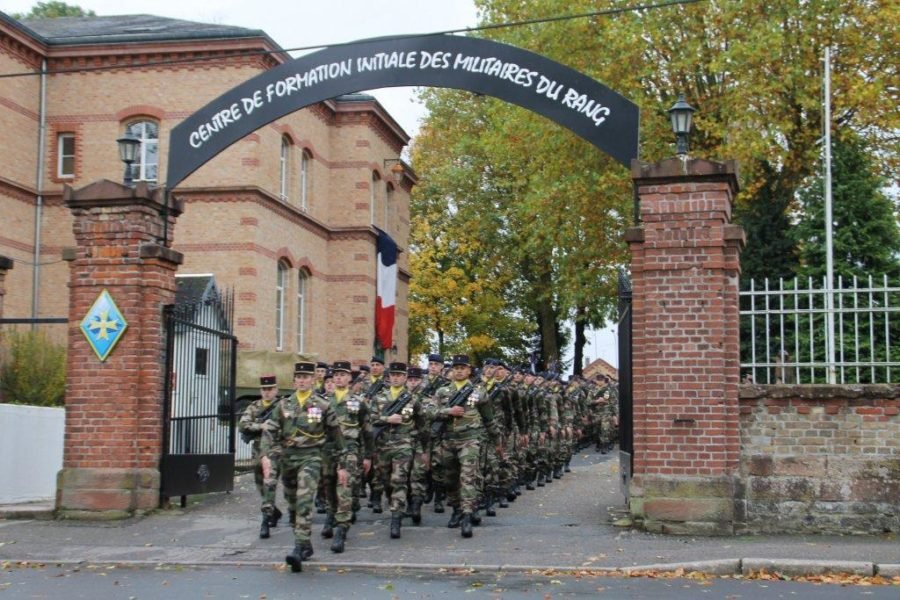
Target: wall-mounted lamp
395, 166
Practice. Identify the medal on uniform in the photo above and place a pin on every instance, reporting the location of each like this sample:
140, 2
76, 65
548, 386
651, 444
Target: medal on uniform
353, 406
407, 412
313, 414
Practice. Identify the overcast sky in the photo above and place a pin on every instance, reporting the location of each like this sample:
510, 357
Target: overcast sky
308, 23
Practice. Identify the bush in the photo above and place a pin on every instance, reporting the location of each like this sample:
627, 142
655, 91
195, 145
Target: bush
32, 369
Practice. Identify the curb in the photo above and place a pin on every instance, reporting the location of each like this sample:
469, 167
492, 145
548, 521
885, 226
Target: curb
796, 567
717, 568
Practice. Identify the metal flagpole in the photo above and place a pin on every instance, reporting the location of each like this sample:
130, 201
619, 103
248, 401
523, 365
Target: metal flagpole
829, 242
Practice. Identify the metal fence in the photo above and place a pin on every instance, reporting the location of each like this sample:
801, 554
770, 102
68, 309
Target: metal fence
784, 331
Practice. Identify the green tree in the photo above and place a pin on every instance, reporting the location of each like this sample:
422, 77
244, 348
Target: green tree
866, 233
52, 10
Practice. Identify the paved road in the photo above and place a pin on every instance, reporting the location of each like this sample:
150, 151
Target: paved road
97, 583
562, 525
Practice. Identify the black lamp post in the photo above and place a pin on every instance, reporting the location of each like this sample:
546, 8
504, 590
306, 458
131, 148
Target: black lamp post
681, 114
128, 148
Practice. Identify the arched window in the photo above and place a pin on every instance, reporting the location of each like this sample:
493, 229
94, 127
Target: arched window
302, 285
373, 195
388, 205
305, 180
284, 175
146, 166
280, 291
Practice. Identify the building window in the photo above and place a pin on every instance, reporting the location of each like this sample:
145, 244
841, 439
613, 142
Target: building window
66, 153
302, 284
285, 169
280, 289
388, 203
201, 361
305, 162
146, 167
373, 196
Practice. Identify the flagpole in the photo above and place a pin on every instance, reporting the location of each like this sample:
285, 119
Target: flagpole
829, 240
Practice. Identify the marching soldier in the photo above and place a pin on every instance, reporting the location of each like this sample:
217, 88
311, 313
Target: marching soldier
321, 372
398, 422
251, 428
421, 462
466, 417
294, 439
353, 417
434, 381
371, 387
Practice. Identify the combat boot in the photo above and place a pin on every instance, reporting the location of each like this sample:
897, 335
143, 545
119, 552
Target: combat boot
476, 519
376, 503
340, 535
264, 528
275, 517
306, 550
567, 469
557, 473
602, 448
328, 529
295, 559
292, 518
320, 505
439, 501
396, 517
465, 525
489, 509
548, 476
415, 510
529, 485
455, 518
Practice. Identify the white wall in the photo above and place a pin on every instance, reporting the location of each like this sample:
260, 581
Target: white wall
31, 452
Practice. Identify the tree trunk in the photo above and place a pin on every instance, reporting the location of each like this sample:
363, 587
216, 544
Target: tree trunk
580, 340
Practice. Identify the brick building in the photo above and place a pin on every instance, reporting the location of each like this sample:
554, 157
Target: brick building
286, 217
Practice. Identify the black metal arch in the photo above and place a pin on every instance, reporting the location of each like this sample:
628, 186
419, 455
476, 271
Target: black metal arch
572, 99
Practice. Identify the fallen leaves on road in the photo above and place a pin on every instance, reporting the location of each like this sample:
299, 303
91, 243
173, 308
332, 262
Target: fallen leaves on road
829, 578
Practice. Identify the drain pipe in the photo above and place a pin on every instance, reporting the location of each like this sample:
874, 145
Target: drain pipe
39, 206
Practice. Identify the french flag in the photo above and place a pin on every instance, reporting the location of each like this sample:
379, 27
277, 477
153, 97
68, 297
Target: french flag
387, 290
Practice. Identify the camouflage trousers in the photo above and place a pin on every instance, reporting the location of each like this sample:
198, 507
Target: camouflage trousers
507, 464
437, 464
418, 474
258, 478
608, 432
462, 475
339, 498
394, 461
490, 469
300, 470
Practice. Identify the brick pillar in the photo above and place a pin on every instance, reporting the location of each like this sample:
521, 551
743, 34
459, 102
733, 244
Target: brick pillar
6, 264
685, 263
114, 408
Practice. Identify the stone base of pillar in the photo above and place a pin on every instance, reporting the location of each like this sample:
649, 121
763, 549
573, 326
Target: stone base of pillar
106, 494
684, 505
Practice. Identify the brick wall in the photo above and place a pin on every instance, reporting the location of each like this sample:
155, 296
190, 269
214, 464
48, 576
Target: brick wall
685, 362
823, 459
114, 407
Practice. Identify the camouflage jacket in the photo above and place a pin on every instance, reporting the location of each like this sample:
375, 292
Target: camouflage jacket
411, 429
477, 420
354, 420
291, 426
253, 421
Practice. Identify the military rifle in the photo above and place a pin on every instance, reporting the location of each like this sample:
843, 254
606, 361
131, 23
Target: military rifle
492, 395
374, 389
439, 426
434, 384
398, 405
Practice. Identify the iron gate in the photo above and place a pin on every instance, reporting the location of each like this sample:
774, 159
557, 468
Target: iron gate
199, 420
626, 421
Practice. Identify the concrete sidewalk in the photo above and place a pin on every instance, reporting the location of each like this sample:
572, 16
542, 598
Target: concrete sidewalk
563, 526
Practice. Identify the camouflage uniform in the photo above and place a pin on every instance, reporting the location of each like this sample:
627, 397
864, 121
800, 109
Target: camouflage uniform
462, 440
369, 388
295, 439
394, 443
251, 428
430, 385
353, 417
